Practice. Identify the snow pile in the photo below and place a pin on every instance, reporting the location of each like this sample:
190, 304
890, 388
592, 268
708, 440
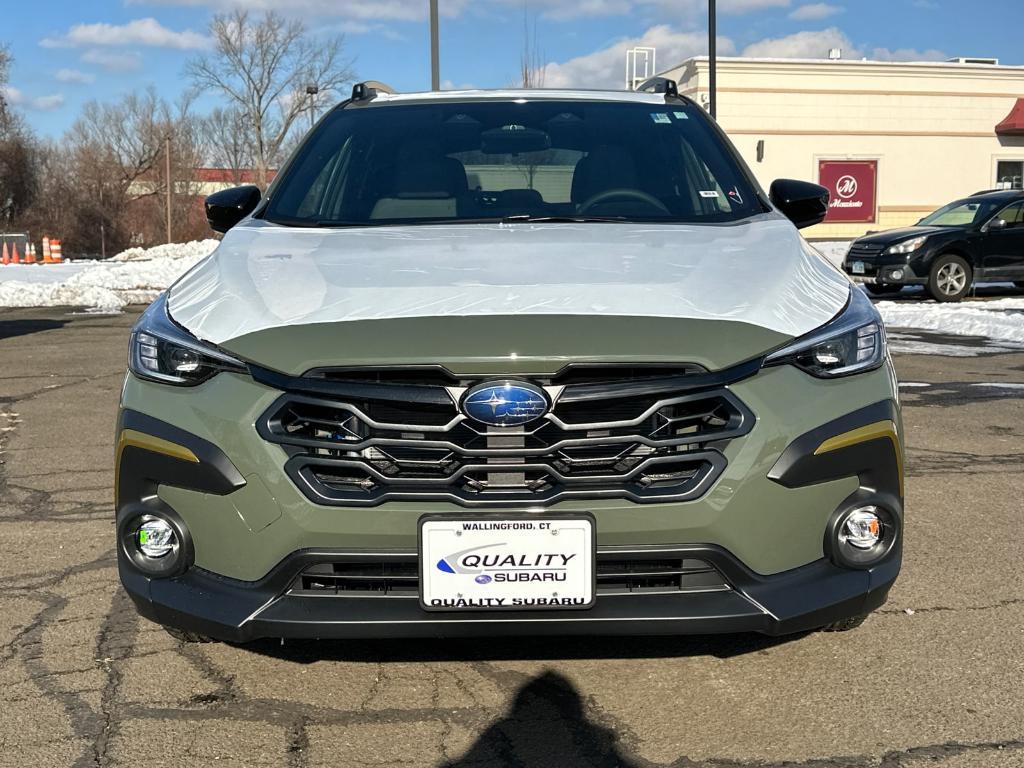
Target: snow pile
999, 319
136, 276
833, 250
169, 251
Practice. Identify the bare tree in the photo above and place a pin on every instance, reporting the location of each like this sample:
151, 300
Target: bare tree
19, 158
263, 66
531, 61
118, 155
226, 143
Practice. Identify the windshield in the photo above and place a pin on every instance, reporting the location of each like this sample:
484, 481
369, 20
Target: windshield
961, 213
518, 160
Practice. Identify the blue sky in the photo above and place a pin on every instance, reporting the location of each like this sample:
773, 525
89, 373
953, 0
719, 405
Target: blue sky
68, 52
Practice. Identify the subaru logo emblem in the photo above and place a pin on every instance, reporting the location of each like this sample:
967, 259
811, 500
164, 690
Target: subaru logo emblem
505, 403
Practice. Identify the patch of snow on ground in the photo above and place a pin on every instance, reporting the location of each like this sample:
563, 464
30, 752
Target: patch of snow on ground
134, 276
169, 251
999, 319
833, 250
1003, 385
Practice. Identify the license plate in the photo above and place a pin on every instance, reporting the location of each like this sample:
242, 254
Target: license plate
857, 267
507, 563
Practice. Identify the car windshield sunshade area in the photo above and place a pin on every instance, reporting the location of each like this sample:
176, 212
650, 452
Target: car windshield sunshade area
961, 213
516, 160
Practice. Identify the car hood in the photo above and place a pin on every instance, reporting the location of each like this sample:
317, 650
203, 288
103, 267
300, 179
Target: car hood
293, 298
891, 236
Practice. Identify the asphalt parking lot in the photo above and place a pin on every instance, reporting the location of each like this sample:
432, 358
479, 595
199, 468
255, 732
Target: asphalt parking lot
934, 679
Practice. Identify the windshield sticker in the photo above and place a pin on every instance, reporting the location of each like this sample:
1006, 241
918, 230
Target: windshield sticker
660, 117
681, 116
734, 194
708, 193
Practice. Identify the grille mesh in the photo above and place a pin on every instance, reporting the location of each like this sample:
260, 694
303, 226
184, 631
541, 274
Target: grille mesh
646, 447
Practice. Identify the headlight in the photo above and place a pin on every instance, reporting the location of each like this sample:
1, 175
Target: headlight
852, 343
907, 246
162, 351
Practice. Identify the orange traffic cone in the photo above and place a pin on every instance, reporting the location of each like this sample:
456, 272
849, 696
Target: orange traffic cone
46, 251
30, 254
55, 251
6, 258
15, 258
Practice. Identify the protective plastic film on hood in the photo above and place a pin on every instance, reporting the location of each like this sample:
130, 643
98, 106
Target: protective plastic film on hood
264, 276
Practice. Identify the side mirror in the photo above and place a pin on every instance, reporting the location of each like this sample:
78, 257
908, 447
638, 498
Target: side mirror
996, 224
801, 202
226, 208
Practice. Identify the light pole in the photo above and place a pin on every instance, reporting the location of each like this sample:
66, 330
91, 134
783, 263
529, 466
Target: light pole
170, 183
712, 59
435, 67
312, 91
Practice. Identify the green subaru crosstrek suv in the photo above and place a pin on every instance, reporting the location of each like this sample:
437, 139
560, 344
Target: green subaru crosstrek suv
534, 362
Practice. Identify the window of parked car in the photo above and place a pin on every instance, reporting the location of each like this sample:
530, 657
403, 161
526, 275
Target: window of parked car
490, 160
1013, 215
961, 213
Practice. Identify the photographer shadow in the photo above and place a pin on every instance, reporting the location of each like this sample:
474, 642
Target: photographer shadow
546, 725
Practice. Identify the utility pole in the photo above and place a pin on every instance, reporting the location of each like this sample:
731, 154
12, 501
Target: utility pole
713, 58
435, 67
312, 91
170, 183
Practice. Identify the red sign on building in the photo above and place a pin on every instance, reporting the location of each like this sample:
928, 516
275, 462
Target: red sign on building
853, 190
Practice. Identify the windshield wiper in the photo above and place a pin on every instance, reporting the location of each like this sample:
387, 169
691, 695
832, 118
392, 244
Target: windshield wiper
526, 217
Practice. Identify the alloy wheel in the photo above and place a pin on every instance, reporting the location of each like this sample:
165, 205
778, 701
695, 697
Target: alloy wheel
951, 279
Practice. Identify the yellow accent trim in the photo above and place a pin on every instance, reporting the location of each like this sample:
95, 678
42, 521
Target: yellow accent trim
878, 430
134, 438
131, 437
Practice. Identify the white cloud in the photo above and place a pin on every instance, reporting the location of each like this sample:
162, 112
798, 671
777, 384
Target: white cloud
39, 103
74, 76
147, 32
908, 54
562, 10
52, 101
606, 68
360, 10
816, 45
815, 12
112, 61
687, 11
802, 45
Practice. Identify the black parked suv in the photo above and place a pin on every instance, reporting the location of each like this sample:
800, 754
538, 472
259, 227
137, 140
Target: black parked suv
977, 239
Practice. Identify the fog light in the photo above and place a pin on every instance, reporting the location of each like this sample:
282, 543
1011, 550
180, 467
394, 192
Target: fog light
896, 274
155, 538
862, 528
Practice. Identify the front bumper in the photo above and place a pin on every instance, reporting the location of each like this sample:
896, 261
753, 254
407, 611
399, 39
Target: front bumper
877, 273
799, 600
763, 526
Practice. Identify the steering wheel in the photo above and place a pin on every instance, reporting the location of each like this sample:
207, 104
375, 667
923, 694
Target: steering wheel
618, 194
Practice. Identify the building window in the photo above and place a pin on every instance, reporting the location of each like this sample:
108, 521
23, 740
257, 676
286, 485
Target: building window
1010, 174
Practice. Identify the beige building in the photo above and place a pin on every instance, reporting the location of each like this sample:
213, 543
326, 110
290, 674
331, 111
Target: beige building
923, 133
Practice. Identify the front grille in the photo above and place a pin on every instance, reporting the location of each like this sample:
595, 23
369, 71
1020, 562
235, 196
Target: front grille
617, 574
644, 438
864, 250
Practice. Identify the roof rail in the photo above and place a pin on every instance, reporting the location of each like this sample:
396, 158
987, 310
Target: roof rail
368, 90
660, 85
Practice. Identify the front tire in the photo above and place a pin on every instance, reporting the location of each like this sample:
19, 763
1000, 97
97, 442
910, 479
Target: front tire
876, 289
950, 278
187, 637
845, 625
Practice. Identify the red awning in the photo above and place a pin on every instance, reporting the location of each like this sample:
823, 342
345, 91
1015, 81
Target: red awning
1013, 125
